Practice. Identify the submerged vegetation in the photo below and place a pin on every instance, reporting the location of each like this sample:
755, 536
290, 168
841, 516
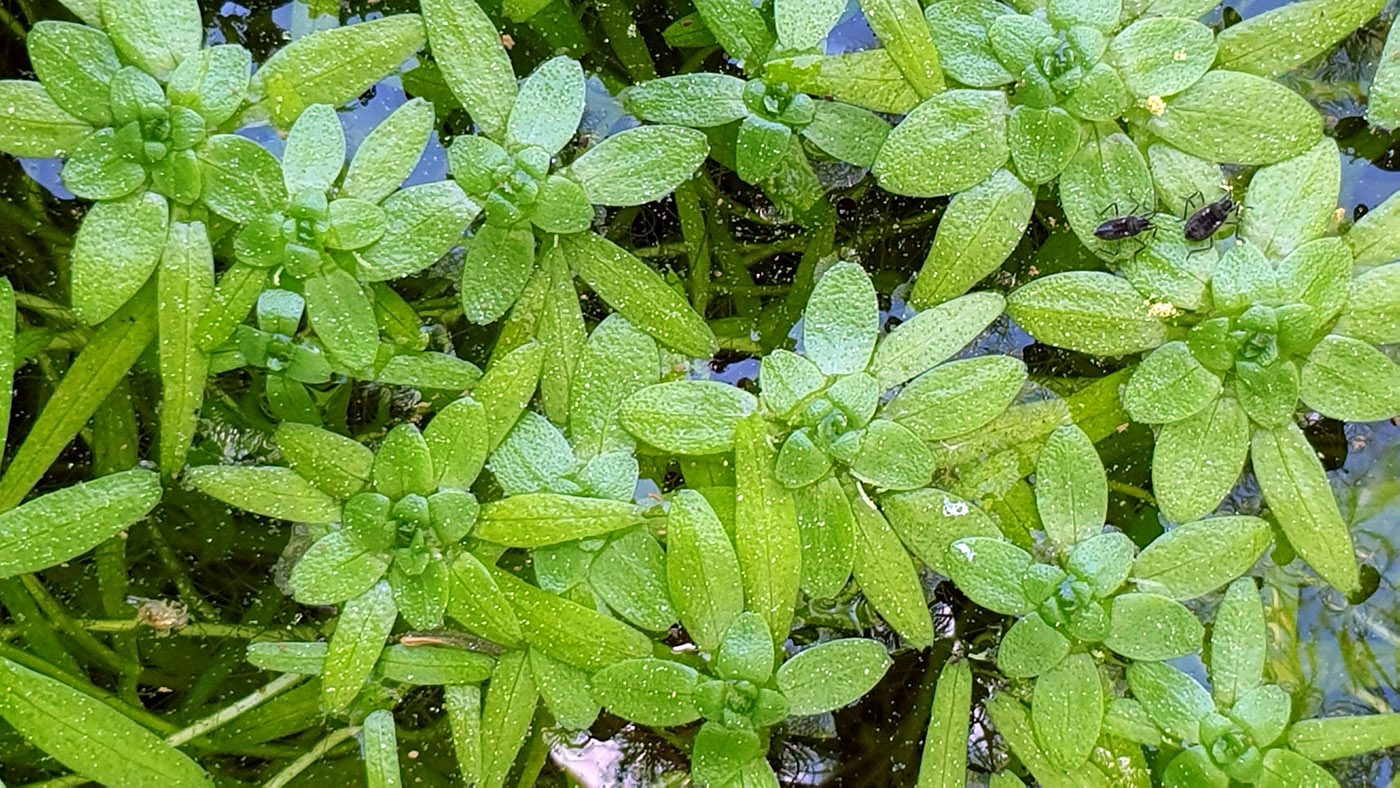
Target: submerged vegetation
542, 392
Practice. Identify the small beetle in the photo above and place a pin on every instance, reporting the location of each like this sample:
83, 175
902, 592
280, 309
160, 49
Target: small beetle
1120, 227
1203, 223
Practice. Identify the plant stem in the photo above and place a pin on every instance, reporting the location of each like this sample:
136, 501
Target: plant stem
301, 764
1133, 491
181, 576
271, 689
69, 626
150, 720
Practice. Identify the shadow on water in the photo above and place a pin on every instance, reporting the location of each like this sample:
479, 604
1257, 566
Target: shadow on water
1339, 659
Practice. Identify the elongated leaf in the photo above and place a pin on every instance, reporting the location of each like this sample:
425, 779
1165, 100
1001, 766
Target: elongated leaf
75, 63
1151, 627
900, 26
932, 336
766, 539
989, 571
334, 65
538, 519
565, 691
886, 575
1089, 311
427, 664
1296, 489
1230, 116
381, 750
1199, 557
337, 465
639, 294
1341, 737
387, 156
463, 704
1174, 701
975, 236
944, 762
1373, 304
702, 570
826, 526
185, 286
739, 28
639, 165
421, 223
506, 388
65, 523
33, 125
949, 143
548, 107
1284, 769
616, 362
1067, 710
364, 624
687, 417
648, 691
929, 520
1280, 39
505, 717
1071, 490
1198, 460
866, 78
477, 602
830, 675
155, 35
1298, 194
847, 132
1013, 722
266, 489
1030, 647
1238, 643
841, 320
568, 631
90, 737
1349, 379
117, 247
696, 100
1170, 385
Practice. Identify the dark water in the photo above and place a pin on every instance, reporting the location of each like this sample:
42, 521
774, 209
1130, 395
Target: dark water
1340, 659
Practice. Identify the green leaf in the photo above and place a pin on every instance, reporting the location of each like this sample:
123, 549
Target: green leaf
548, 107
638, 293
616, 362
1269, 394
803, 25
841, 321
867, 78
1151, 627
478, 603
421, 223
118, 245
746, 650
562, 207
1100, 14
265, 489
1067, 710
1199, 557
901, 28
1043, 142
960, 35
63, 524
315, 150
1198, 460
381, 750
1280, 39
507, 388
421, 598
334, 65
1125, 719
976, 234
957, 397
34, 125
639, 165
1383, 98
1171, 698
1162, 56
949, 143
242, 181
1287, 769
944, 761
154, 35
473, 61
565, 690
722, 755
629, 574
826, 525
212, 82
832, 674
1030, 647
457, 441
1296, 490
652, 692
534, 457
1103, 561
429, 664
1229, 116
463, 705
538, 519
1330, 738
429, 370
766, 539
932, 336
568, 631
739, 28
342, 314
1238, 643
1349, 379
847, 132
505, 719
892, 457
988, 570
886, 575
928, 521
75, 64
97, 170
498, 263
185, 285
1100, 96
1013, 722
1071, 490
1170, 385
403, 465
759, 146
388, 155
1108, 177
687, 416
1372, 311
1297, 195
1179, 177
697, 100
702, 570
1088, 311
283, 657
334, 569
1242, 278
360, 632
89, 736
